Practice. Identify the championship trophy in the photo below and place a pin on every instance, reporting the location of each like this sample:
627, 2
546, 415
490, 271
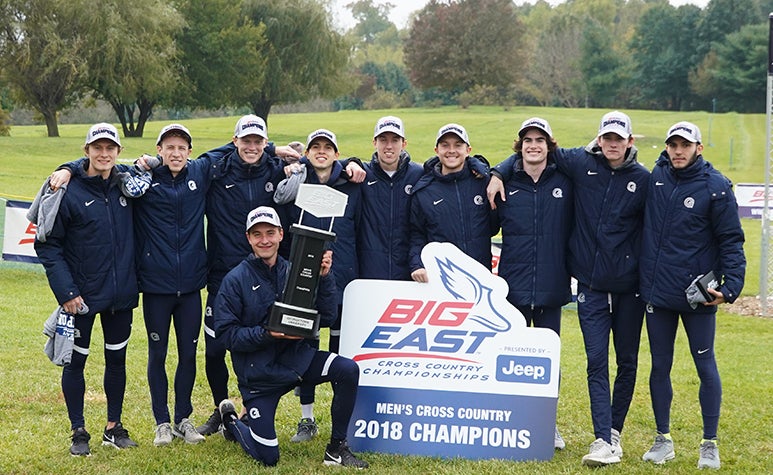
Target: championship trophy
294, 314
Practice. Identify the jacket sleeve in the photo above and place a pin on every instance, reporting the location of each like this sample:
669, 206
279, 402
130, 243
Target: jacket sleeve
567, 158
504, 170
51, 255
729, 235
327, 300
229, 313
418, 235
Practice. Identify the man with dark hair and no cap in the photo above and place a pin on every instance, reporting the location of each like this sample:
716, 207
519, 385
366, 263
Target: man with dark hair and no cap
267, 363
691, 228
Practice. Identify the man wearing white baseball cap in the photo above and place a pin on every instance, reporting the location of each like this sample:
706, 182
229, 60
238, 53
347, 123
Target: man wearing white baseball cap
382, 238
268, 364
691, 229
609, 192
453, 186
320, 166
537, 216
89, 259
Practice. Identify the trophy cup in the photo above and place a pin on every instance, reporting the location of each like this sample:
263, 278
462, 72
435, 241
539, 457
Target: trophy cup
294, 314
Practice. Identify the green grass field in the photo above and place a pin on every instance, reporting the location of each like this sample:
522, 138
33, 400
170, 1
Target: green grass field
34, 435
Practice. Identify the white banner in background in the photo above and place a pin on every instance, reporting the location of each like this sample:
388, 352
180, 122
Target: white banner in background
19, 233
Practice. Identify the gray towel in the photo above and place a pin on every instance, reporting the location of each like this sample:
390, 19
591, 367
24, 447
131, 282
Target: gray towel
287, 189
44, 209
59, 327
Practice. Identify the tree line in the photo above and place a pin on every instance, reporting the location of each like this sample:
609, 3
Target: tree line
191, 55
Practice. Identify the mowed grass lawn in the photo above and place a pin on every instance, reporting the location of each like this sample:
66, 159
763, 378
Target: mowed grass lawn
34, 429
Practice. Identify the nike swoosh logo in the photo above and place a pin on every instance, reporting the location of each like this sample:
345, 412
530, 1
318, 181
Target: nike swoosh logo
513, 192
334, 459
154, 185
700, 352
88, 203
592, 173
438, 201
659, 183
229, 186
255, 287
110, 438
372, 182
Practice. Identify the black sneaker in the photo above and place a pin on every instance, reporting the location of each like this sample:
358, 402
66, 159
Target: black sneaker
342, 456
228, 415
212, 426
118, 437
80, 443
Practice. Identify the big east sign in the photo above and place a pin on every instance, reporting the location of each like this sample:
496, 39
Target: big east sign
449, 368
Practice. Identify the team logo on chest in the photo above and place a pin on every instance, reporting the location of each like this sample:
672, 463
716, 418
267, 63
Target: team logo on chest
192, 185
408, 189
558, 193
631, 186
269, 187
122, 201
689, 202
478, 200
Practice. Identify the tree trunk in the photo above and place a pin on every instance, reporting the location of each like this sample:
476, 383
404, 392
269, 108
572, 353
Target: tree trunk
51, 123
261, 108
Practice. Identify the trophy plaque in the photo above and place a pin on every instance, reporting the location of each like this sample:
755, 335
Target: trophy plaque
294, 314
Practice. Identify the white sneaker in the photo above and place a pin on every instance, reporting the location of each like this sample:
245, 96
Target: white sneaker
661, 451
600, 454
558, 441
617, 449
163, 435
709, 455
187, 432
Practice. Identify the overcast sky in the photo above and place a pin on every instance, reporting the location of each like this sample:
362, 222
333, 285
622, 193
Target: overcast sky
403, 9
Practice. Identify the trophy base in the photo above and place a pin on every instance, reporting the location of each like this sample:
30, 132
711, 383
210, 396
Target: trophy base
292, 320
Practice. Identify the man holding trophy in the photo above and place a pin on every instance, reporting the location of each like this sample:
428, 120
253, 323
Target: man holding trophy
270, 363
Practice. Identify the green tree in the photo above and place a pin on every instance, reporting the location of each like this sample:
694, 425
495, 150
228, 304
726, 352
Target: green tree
305, 56
459, 44
734, 71
372, 20
664, 50
604, 68
42, 55
222, 54
132, 63
722, 17
549, 50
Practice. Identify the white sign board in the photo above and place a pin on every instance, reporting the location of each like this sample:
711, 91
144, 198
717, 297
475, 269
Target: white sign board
448, 368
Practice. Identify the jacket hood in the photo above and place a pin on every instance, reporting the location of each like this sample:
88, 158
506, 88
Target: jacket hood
630, 156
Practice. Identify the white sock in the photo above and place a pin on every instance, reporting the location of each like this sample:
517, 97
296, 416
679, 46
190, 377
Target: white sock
307, 411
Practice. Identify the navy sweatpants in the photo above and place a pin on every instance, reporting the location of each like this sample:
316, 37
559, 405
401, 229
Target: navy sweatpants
258, 437
622, 314
160, 312
542, 317
700, 328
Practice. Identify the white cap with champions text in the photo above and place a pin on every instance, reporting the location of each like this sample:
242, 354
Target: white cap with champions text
175, 128
617, 123
686, 130
389, 124
250, 125
455, 129
263, 214
324, 133
535, 123
103, 130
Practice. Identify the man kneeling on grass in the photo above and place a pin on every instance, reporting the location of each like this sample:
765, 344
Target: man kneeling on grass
269, 364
